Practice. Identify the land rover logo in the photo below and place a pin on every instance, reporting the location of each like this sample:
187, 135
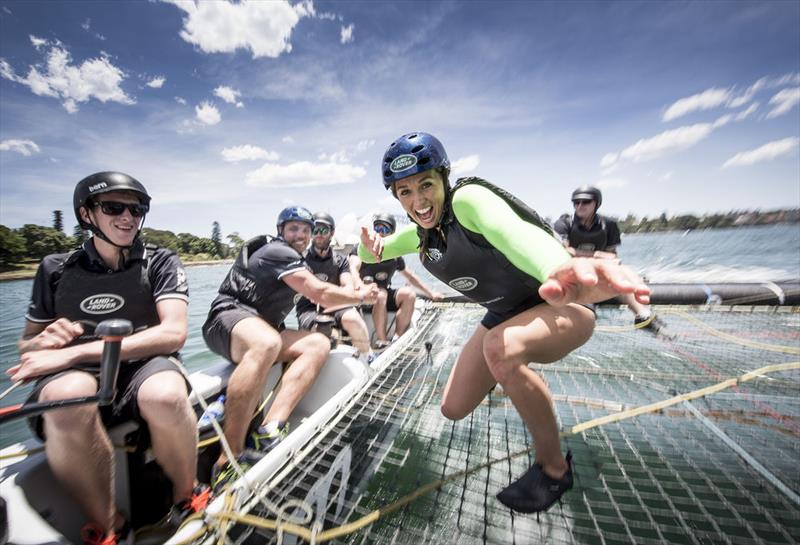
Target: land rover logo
465, 283
102, 303
403, 162
297, 298
322, 276
381, 276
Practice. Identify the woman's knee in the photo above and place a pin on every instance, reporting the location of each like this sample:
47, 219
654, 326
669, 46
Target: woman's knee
452, 411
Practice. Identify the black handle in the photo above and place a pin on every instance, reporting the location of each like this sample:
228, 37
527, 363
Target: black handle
112, 332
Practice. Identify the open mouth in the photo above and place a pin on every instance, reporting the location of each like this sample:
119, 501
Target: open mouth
425, 215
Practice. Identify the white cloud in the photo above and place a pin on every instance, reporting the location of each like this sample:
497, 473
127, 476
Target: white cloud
157, 82
25, 147
708, 99
229, 95
667, 176
464, 165
748, 112
248, 153
784, 100
661, 144
304, 174
94, 78
7, 10
767, 152
180, 100
346, 34
364, 145
38, 43
262, 27
287, 140
207, 113
86, 25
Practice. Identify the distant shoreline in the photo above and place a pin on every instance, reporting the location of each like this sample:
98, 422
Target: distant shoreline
28, 273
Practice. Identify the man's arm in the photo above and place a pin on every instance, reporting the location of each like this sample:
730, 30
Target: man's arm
326, 294
165, 338
414, 280
355, 270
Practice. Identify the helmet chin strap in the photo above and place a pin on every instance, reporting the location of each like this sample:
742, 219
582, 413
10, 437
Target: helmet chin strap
100, 234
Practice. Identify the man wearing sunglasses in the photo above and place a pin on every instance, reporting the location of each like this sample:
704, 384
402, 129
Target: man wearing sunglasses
331, 267
245, 325
401, 301
113, 275
588, 234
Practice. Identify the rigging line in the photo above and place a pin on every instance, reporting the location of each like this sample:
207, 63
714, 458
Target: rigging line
373, 516
734, 339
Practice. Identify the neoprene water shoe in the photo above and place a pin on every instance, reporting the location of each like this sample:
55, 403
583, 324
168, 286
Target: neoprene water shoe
536, 491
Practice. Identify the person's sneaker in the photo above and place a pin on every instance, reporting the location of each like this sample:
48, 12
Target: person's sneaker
265, 438
536, 491
177, 515
92, 534
381, 345
221, 476
653, 323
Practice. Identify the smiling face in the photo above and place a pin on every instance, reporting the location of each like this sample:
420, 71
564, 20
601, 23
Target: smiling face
422, 197
120, 229
297, 234
322, 235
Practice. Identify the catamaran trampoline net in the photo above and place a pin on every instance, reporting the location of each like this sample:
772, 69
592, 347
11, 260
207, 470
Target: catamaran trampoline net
720, 467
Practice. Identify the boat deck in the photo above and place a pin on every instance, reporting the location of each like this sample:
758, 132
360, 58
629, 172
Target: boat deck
718, 466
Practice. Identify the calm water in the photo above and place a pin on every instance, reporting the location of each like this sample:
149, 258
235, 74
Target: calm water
732, 255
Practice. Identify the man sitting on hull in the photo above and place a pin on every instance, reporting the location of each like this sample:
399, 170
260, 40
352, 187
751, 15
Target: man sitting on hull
245, 325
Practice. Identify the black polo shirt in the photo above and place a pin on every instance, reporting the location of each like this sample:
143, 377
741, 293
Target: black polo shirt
165, 272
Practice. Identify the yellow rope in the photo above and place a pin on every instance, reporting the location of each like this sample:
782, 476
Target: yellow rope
351, 527
734, 338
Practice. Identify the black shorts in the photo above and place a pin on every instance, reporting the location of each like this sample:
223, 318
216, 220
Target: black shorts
124, 407
391, 301
306, 320
492, 319
219, 325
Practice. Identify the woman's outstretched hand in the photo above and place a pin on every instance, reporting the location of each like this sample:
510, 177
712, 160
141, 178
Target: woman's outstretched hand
373, 242
589, 280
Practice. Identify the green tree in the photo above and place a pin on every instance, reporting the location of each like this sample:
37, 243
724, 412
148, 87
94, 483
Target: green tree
216, 238
12, 246
235, 242
58, 220
162, 238
79, 235
41, 241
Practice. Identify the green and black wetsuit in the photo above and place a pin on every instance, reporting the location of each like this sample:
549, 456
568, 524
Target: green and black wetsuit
488, 246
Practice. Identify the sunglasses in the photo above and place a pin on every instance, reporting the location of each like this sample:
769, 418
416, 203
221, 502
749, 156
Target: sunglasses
114, 208
321, 230
581, 201
382, 229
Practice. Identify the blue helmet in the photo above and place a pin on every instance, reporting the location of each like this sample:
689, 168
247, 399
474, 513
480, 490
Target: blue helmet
294, 213
411, 154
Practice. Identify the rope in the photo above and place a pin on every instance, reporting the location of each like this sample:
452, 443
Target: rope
732, 338
349, 528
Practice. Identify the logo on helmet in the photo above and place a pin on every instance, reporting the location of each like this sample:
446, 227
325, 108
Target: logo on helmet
403, 162
465, 283
102, 303
95, 187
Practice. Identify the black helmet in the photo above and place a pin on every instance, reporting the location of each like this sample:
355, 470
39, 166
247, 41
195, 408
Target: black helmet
411, 154
324, 217
294, 213
387, 219
104, 182
588, 192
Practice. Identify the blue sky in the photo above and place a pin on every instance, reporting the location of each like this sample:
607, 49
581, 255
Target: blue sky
231, 111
